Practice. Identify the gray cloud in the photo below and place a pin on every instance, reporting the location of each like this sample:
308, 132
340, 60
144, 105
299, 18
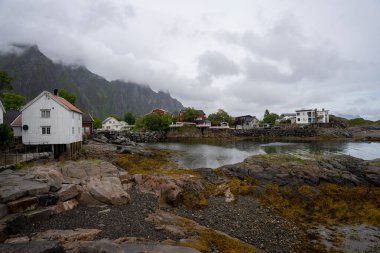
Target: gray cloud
215, 64
244, 56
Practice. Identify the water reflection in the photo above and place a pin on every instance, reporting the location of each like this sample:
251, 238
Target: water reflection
212, 155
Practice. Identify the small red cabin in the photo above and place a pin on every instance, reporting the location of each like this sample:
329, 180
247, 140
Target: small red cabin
87, 124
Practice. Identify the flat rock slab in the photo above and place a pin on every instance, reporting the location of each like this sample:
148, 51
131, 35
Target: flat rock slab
23, 204
32, 247
65, 236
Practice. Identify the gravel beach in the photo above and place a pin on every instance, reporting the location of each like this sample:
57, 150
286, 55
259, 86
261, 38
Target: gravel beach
246, 220
114, 221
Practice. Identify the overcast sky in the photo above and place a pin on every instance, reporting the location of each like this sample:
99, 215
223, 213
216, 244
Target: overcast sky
242, 56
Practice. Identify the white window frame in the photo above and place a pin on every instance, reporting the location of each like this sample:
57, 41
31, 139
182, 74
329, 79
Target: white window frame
45, 113
45, 130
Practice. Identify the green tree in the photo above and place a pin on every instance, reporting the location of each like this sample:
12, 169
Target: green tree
266, 113
129, 118
154, 122
97, 123
6, 136
270, 118
67, 95
5, 81
190, 114
12, 101
220, 116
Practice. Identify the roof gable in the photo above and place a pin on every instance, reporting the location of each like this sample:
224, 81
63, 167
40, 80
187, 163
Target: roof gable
17, 122
108, 119
63, 102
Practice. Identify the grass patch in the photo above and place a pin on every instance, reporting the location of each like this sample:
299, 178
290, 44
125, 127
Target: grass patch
375, 163
279, 158
212, 241
326, 204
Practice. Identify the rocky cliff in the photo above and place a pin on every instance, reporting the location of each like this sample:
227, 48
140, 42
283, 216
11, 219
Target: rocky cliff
34, 72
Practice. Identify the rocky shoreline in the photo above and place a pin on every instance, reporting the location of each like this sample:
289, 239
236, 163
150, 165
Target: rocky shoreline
130, 199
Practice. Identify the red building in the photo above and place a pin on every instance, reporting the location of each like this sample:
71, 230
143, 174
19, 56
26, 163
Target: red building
87, 124
160, 111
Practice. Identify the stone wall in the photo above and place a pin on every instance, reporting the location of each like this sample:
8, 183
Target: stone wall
129, 138
193, 132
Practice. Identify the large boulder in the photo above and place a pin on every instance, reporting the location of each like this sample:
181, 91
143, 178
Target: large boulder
108, 190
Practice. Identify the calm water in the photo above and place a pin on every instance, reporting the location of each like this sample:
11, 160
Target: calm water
195, 155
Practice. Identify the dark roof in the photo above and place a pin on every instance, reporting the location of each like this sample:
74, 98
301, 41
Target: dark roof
87, 118
288, 114
10, 116
245, 116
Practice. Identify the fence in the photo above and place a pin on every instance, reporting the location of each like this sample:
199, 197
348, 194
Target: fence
13, 156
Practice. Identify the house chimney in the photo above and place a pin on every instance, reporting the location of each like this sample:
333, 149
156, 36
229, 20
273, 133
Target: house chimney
55, 92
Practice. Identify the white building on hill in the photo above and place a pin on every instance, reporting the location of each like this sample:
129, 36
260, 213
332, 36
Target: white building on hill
309, 116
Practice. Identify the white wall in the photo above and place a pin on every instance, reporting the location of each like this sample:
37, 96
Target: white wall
61, 122
1, 116
17, 131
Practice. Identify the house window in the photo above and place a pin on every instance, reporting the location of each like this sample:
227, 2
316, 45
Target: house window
298, 114
45, 130
299, 119
45, 113
72, 130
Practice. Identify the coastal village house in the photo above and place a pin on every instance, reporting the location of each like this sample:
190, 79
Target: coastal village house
87, 124
246, 122
200, 119
288, 116
50, 120
2, 112
160, 111
112, 124
309, 116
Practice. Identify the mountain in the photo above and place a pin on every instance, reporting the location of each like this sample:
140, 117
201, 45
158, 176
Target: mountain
347, 116
34, 72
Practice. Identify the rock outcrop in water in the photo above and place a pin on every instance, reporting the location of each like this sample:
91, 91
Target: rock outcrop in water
291, 170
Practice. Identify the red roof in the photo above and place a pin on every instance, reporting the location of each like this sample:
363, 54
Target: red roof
17, 121
67, 104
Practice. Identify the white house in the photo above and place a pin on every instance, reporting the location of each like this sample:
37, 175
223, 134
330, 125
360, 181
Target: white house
309, 116
51, 120
112, 124
2, 111
246, 122
292, 117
